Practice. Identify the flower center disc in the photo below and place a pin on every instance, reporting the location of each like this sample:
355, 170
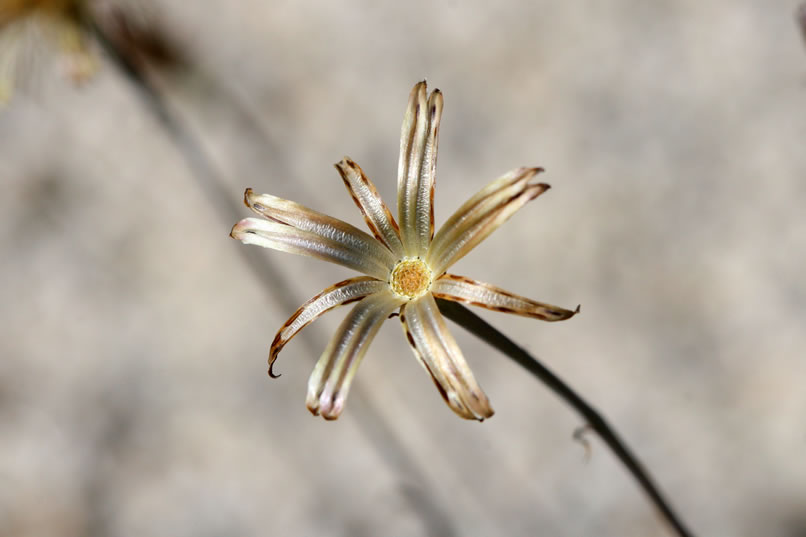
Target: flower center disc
411, 278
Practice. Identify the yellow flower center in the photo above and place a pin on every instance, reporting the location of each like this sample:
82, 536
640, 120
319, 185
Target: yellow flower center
411, 278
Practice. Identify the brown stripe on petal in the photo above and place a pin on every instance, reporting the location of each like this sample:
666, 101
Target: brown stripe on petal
434, 120
372, 228
441, 390
431, 195
503, 309
456, 277
406, 328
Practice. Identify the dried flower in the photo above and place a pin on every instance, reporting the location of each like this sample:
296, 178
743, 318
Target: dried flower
404, 266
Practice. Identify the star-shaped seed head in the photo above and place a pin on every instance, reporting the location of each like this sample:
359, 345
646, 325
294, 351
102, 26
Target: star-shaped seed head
404, 265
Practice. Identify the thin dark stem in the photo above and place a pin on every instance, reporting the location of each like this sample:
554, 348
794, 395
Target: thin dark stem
372, 424
483, 330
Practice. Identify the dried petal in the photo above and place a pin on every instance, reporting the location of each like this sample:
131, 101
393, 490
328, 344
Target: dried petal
477, 222
491, 195
339, 294
331, 378
441, 357
376, 213
461, 289
285, 238
301, 217
425, 189
418, 146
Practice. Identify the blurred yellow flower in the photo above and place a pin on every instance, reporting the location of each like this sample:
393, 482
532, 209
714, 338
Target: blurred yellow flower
29, 26
404, 264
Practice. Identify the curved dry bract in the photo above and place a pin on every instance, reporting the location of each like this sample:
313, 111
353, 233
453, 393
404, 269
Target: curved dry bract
285, 238
298, 216
462, 289
416, 168
330, 381
483, 219
489, 197
439, 354
376, 214
339, 294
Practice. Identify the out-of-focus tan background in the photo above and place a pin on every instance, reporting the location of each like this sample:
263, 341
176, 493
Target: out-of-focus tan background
134, 398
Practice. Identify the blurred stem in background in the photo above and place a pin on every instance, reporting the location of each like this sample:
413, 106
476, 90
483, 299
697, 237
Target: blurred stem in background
389, 446
372, 423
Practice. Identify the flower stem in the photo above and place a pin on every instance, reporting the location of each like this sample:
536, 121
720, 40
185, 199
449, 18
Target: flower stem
486, 332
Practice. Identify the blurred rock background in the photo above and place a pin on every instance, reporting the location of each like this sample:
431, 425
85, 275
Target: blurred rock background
134, 398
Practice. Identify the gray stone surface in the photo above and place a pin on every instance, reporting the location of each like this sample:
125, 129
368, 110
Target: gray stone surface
133, 393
